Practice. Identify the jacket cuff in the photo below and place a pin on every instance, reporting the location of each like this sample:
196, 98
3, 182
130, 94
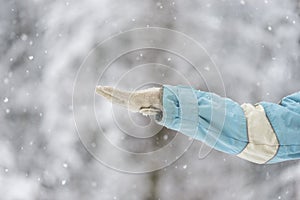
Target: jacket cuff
180, 105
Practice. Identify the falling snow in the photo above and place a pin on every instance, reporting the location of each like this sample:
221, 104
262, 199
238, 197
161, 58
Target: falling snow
63, 182
166, 137
253, 44
270, 28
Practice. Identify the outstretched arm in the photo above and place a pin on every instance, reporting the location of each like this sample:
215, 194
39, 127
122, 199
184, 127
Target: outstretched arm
260, 133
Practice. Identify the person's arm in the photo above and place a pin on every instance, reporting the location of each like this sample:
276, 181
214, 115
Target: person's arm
261, 133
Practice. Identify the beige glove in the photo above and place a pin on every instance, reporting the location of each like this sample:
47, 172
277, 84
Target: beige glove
147, 102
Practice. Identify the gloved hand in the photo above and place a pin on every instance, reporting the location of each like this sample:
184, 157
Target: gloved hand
147, 102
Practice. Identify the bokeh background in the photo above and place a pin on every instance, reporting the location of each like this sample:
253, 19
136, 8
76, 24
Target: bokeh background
255, 45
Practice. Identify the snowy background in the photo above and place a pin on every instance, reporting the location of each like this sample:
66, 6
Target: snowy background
255, 44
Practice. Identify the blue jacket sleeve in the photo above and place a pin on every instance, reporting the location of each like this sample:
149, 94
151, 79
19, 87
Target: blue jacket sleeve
226, 126
217, 121
285, 120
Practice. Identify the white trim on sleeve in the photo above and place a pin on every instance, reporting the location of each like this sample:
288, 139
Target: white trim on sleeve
263, 143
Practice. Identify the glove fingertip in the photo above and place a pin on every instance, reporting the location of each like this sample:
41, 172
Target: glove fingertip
99, 90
